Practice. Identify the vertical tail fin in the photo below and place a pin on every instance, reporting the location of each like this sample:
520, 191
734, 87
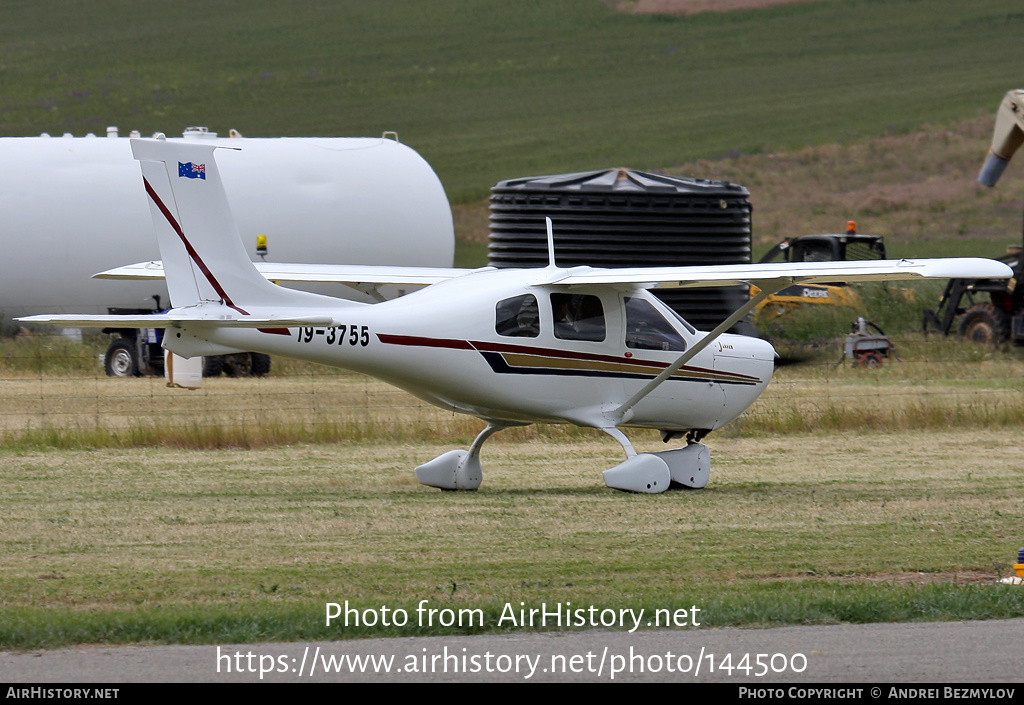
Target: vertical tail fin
203, 256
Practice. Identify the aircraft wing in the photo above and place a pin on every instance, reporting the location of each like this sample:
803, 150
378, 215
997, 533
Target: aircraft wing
770, 278
648, 277
353, 275
788, 272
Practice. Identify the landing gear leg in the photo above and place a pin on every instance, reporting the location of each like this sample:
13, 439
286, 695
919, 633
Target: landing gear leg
457, 469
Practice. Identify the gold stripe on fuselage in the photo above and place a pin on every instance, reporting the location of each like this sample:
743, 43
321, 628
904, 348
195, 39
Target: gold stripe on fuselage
536, 361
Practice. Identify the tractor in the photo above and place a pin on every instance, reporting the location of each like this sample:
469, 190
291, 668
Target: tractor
991, 311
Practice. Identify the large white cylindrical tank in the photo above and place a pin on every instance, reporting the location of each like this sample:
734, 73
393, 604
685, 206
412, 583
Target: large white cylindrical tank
74, 206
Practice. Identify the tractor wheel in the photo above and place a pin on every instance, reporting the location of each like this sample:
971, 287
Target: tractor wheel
121, 359
213, 366
983, 324
260, 364
238, 365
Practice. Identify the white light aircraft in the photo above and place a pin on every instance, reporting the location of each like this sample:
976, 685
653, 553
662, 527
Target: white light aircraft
584, 346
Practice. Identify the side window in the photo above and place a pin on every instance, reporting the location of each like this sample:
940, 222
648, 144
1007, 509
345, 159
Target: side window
647, 329
578, 317
518, 317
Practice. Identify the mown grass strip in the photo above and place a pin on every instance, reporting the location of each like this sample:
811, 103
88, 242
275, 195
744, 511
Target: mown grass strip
791, 529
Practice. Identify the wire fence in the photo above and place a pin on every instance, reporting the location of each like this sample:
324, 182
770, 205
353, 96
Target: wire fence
52, 386
57, 391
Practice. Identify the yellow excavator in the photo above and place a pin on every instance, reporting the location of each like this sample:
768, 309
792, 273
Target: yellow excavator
818, 248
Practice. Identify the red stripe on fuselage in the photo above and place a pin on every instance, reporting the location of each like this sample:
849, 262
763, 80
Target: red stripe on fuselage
419, 341
191, 250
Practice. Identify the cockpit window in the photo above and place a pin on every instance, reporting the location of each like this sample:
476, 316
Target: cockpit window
518, 317
647, 329
578, 317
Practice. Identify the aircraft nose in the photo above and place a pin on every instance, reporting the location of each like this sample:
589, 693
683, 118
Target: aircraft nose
754, 355
760, 350
746, 348
765, 356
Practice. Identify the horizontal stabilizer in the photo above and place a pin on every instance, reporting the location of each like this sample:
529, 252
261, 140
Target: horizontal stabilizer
173, 318
352, 275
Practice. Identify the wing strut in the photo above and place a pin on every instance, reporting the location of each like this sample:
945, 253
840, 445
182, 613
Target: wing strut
768, 288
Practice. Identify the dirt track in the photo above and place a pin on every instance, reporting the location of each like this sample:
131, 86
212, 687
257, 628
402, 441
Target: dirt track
690, 7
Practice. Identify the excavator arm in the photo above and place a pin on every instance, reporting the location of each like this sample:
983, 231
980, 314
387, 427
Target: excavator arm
1007, 137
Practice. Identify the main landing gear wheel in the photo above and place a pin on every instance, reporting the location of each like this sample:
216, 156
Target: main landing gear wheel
457, 469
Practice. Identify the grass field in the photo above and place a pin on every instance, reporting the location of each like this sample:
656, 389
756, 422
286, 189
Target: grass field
488, 91
211, 546
137, 513
133, 513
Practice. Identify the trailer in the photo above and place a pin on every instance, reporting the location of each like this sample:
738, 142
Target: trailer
138, 352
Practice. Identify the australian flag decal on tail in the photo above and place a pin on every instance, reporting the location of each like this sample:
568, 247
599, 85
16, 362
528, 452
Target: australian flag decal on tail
192, 171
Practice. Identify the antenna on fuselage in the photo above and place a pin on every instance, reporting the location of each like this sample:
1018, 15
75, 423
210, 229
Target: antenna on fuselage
551, 243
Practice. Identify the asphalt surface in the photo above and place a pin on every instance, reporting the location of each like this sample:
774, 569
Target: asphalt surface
936, 652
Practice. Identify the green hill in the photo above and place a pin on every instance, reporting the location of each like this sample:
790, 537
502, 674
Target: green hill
488, 90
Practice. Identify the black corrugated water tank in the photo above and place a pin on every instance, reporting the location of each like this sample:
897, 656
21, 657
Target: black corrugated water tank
625, 218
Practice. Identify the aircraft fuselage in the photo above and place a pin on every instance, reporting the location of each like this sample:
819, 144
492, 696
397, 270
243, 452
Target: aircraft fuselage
501, 345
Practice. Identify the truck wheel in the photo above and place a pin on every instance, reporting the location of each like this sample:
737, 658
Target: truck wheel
983, 324
260, 364
121, 359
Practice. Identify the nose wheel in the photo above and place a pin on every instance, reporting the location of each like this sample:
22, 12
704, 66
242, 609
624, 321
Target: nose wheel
653, 473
